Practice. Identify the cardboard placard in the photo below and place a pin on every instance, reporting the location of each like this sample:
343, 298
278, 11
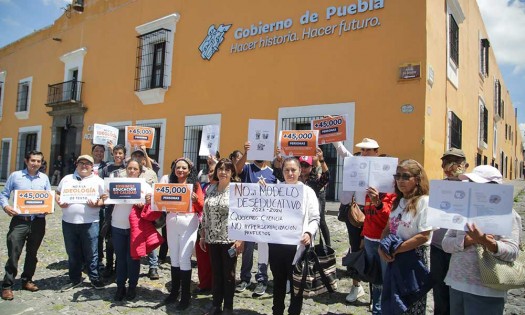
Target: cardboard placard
34, 201
104, 134
298, 142
78, 192
124, 190
330, 129
172, 197
137, 136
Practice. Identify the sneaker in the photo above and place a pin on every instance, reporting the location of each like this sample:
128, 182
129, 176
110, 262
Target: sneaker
260, 289
97, 284
241, 286
355, 293
71, 285
153, 274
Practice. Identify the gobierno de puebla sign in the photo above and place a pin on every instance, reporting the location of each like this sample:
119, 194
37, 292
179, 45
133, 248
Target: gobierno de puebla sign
267, 34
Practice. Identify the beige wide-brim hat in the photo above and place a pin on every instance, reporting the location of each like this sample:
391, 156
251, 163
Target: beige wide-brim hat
368, 143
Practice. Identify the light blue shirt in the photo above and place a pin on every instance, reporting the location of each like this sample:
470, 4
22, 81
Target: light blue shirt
22, 180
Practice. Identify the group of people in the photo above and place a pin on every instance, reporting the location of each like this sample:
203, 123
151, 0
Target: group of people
394, 228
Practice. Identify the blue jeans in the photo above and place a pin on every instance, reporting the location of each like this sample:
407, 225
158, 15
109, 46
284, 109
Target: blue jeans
127, 268
153, 260
247, 263
375, 289
81, 241
462, 303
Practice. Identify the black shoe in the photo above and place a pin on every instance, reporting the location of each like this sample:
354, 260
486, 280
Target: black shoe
214, 310
201, 291
108, 273
172, 297
97, 284
153, 274
119, 295
132, 293
71, 285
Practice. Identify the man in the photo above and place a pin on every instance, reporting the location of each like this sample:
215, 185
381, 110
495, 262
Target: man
80, 225
151, 178
254, 173
454, 164
110, 170
98, 151
23, 229
368, 147
58, 169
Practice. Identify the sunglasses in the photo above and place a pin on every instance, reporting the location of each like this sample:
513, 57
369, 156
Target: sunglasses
304, 165
404, 176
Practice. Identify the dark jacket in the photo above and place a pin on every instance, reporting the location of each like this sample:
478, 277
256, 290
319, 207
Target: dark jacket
406, 281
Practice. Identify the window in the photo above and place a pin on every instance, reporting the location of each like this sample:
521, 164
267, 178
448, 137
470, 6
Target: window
151, 57
455, 131
478, 159
483, 125
454, 40
497, 99
29, 138
484, 57
193, 126
23, 97
506, 131
3, 75
155, 59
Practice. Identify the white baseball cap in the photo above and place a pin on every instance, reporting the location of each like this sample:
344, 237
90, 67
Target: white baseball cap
483, 174
368, 143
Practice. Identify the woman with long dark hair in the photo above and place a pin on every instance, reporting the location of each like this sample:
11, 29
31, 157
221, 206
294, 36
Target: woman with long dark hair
214, 233
182, 232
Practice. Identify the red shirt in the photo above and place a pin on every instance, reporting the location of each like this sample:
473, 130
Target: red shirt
377, 218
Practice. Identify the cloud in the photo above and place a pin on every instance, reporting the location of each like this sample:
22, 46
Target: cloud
505, 22
10, 22
56, 3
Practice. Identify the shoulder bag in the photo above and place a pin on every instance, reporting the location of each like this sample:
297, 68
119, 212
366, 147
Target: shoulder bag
499, 274
356, 217
315, 272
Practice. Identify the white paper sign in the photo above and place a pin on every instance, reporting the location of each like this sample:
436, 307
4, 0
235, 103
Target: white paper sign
124, 190
209, 140
261, 134
453, 204
268, 214
361, 172
78, 192
104, 134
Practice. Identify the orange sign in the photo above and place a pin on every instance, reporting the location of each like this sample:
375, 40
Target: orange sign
298, 142
34, 201
172, 197
330, 129
137, 136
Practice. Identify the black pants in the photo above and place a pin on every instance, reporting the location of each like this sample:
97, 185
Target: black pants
163, 251
322, 220
439, 262
31, 233
354, 237
223, 271
281, 259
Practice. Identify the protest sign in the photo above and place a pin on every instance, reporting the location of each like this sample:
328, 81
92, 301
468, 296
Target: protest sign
298, 142
34, 201
137, 136
78, 192
209, 140
268, 214
124, 190
453, 204
104, 134
361, 172
331, 129
261, 134
172, 197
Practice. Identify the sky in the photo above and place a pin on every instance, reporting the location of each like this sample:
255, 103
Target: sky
504, 21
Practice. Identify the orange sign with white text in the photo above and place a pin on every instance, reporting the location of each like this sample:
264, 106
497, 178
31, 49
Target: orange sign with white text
137, 136
34, 201
298, 142
331, 129
172, 197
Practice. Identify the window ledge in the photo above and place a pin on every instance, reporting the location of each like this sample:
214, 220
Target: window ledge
482, 145
22, 115
152, 96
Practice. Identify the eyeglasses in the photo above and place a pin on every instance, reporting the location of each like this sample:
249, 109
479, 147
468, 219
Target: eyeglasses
84, 163
305, 165
403, 176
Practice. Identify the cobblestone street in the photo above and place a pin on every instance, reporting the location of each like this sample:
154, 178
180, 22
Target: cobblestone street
51, 274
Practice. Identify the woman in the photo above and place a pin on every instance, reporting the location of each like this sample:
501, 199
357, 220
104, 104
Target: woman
282, 257
235, 156
182, 232
128, 265
408, 219
467, 294
214, 233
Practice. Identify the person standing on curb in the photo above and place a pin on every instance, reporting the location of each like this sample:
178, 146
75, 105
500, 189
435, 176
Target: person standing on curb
23, 229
